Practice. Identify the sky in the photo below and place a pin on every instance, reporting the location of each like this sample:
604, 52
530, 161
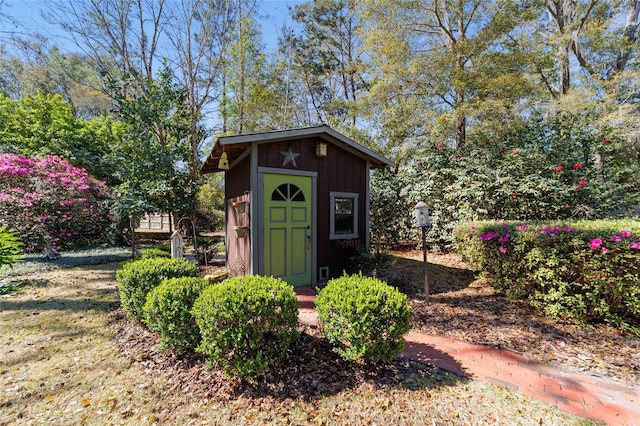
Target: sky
26, 17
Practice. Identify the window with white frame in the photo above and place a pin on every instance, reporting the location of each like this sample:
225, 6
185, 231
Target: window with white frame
343, 216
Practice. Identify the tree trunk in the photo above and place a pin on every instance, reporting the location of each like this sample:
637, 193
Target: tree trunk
461, 122
629, 37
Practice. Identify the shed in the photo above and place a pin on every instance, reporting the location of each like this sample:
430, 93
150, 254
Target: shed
297, 201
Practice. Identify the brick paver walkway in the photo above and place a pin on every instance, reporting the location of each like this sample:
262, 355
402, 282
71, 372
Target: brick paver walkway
586, 396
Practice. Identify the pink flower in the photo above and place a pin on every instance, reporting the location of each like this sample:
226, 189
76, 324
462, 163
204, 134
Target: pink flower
522, 228
596, 243
473, 228
604, 250
625, 234
635, 245
616, 238
516, 152
577, 166
502, 250
488, 236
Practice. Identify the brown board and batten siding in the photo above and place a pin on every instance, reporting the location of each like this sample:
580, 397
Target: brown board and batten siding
339, 171
237, 189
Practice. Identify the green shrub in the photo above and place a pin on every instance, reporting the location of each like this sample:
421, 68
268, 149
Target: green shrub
246, 323
163, 247
10, 247
586, 270
168, 312
154, 252
363, 318
137, 278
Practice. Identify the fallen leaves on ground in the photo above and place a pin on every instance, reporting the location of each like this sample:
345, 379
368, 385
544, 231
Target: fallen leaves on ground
469, 309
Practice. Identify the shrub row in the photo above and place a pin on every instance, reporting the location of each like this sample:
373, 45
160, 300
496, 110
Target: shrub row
245, 325
137, 278
587, 270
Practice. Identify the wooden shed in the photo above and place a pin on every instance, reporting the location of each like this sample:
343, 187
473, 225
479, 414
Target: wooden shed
297, 201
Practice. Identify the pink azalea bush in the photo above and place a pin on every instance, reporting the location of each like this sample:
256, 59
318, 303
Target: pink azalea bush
49, 202
587, 270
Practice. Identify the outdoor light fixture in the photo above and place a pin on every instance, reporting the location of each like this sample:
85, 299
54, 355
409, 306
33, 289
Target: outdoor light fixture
321, 150
223, 164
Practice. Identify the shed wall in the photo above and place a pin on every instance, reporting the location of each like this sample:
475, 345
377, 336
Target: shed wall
339, 171
237, 189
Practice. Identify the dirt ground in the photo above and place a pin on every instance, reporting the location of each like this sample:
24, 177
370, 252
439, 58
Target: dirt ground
468, 309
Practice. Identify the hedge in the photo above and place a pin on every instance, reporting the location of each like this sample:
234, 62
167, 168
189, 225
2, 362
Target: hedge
137, 278
586, 270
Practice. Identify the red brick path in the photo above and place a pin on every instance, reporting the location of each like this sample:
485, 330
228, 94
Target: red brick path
586, 396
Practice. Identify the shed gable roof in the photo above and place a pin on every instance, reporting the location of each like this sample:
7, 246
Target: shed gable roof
237, 145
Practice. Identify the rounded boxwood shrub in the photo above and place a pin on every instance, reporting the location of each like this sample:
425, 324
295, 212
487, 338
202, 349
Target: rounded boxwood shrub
137, 278
363, 318
168, 312
246, 323
154, 252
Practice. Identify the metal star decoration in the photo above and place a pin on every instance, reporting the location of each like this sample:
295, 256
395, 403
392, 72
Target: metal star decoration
289, 157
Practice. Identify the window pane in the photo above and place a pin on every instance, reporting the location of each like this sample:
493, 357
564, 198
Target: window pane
287, 192
344, 216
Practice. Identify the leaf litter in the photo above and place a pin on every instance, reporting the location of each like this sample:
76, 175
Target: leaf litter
468, 309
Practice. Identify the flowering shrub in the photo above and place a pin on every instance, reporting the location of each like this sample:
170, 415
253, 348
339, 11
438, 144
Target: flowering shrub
49, 202
551, 169
588, 270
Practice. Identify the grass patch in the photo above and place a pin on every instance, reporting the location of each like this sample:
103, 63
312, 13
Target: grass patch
33, 263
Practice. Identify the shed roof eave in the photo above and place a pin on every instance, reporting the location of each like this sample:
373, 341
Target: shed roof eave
244, 141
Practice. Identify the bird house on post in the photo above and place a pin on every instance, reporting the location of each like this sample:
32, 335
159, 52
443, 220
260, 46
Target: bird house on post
422, 221
177, 249
422, 215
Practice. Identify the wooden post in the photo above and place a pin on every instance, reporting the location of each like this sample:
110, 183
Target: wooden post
424, 260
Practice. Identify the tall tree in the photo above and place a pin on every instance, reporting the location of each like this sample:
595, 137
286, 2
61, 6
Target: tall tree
451, 55
253, 92
128, 40
327, 59
152, 161
200, 37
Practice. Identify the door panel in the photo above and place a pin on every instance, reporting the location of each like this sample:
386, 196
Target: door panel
287, 228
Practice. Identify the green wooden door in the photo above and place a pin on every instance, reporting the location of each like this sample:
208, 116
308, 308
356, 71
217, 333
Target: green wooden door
287, 228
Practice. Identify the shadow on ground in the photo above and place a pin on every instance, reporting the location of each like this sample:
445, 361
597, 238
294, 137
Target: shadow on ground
408, 276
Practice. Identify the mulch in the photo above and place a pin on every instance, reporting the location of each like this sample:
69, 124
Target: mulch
309, 371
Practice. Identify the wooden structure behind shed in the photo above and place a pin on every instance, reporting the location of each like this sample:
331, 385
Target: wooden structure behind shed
297, 201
